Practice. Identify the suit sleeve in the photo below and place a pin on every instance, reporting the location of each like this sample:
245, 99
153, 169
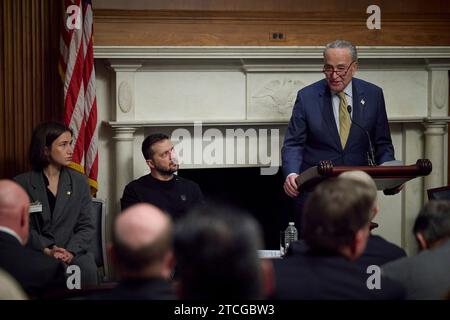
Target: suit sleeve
384, 150
294, 140
39, 242
84, 228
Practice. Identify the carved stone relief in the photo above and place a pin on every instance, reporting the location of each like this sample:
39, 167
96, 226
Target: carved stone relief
439, 93
277, 96
124, 97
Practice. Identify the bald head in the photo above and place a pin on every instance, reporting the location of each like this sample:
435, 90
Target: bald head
12, 197
142, 237
14, 205
140, 225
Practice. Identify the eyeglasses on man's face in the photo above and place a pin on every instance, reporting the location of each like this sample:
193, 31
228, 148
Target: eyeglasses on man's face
340, 70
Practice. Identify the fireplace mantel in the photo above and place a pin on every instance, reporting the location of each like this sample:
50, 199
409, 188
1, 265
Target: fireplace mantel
236, 123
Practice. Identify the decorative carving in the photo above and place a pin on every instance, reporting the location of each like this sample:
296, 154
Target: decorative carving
325, 168
439, 94
124, 97
278, 95
425, 166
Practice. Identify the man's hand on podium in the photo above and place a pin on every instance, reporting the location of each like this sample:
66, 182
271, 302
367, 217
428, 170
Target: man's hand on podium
290, 185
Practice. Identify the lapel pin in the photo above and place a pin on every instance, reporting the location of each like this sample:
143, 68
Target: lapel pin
363, 102
68, 193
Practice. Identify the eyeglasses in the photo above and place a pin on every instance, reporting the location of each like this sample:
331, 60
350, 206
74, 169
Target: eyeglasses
341, 71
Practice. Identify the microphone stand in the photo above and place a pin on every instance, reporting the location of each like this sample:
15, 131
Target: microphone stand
370, 154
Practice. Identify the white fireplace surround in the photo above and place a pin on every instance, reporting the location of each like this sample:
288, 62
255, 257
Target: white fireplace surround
141, 90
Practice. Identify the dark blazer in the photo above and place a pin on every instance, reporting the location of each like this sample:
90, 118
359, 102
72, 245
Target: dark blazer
378, 251
426, 276
312, 134
138, 289
313, 276
71, 226
37, 274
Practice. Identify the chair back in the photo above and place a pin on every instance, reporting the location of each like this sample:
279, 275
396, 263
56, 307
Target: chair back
98, 245
441, 193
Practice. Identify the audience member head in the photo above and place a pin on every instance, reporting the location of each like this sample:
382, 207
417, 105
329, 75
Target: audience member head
336, 217
216, 254
51, 143
14, 206
160, 156
142, 243
432, 225
358, 175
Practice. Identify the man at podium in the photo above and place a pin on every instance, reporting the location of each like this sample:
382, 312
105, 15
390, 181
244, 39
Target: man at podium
339, 118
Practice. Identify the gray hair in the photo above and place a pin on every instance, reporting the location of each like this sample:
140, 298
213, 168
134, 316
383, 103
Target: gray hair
342, 44
358, 175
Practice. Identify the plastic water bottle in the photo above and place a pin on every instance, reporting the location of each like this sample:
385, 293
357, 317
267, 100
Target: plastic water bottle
291, 234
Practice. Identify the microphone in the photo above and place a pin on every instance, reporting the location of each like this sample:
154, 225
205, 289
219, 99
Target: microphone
370, 153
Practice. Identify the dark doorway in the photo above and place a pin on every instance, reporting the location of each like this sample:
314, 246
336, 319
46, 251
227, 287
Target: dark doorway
245, 188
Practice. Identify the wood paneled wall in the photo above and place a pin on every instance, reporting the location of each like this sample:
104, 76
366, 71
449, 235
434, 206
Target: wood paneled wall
30, 87
251, 23
295, 6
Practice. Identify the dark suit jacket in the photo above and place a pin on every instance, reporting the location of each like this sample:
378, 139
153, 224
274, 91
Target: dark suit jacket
313, 276
426, 276
71, 226
138, 289
312, 134
378, 251
36, 273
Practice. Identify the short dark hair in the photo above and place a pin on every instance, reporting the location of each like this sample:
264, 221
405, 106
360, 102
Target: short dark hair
138, 259
334, 212
147, 150
433, 221
43, 136
216, 253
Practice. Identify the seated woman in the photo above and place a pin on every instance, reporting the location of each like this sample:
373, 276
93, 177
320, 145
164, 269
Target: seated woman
65, 228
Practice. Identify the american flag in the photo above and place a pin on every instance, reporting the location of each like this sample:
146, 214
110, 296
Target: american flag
76, 66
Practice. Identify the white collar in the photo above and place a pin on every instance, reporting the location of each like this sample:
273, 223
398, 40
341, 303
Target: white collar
348, 90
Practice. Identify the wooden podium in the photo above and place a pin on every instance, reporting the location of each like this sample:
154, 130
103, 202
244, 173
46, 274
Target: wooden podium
387, 177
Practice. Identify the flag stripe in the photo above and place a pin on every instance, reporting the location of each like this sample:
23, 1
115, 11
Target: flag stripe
76, 65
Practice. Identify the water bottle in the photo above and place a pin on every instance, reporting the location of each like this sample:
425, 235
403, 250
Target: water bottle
291, 234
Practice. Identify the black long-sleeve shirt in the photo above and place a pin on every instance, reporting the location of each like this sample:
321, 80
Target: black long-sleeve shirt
175, 196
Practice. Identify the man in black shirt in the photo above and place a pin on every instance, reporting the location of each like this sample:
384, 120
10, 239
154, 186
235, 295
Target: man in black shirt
162, 188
